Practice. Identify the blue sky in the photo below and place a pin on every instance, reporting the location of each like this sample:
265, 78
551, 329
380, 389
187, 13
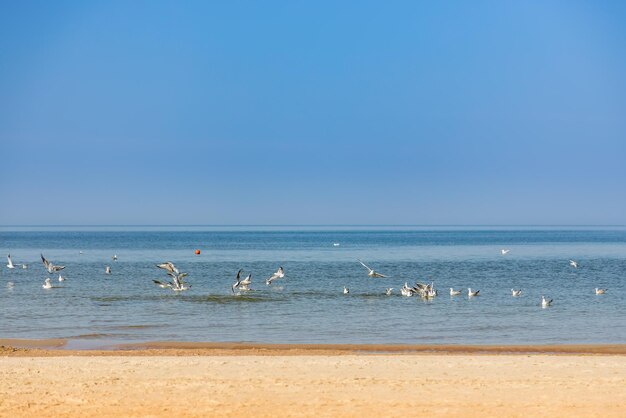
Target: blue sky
457, 112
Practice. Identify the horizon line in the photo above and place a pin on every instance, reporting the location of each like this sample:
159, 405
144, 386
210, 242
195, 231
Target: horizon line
311, 225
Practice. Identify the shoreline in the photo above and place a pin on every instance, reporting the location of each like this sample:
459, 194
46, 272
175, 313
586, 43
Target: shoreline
62, 347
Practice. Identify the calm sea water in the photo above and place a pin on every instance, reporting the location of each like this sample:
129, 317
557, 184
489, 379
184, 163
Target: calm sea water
308, 306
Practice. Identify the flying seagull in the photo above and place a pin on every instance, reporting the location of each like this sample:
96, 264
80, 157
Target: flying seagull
49, 266
280, 273
516, 292
177, 284
61, 278
10, 262
47, 284
346, 290
388, 291
504, 252
545, 302
573, 264
371, 272
242, 285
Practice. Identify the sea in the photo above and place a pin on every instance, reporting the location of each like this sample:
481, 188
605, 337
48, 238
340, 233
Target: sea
93, 309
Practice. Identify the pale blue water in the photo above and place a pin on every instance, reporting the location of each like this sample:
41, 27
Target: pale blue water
308, 306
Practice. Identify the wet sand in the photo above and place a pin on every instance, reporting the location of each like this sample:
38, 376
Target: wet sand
266, 380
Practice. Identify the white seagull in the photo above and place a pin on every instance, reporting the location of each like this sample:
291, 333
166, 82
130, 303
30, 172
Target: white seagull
370, 271
388, 291
107, 270
600, 291
471, 293
454, 292
406, 290
242, 285
114, 257
336, 244
24, 266
177, 284
504, 252
10, 262
545, 302
61, 278
47, 284
516, 292
346, 290
573, 264
49, 266
280, 273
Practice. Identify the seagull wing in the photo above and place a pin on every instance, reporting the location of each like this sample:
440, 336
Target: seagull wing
365, 265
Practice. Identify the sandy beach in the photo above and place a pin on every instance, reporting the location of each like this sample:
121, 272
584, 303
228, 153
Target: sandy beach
165, 379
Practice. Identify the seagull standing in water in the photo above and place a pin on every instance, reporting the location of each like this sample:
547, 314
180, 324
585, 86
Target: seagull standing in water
371, 272
47, 284
346, 290
600, 291
573, 264
61, 278
280, 273
49, 266
545, 302
454, 292
516, 292
107, 270
10, 262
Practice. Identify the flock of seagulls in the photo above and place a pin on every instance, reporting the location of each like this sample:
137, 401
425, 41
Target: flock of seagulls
177, 282
428, 291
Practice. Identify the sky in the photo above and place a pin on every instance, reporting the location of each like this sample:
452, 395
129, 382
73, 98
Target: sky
319, 112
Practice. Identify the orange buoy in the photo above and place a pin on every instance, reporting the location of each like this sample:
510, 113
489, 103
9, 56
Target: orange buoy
197, 252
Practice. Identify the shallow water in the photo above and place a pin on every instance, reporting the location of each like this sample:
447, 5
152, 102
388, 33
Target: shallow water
308, 305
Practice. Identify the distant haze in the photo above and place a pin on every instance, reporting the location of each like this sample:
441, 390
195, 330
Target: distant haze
475, 112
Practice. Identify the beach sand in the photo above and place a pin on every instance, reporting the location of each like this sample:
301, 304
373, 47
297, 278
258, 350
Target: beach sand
165, 379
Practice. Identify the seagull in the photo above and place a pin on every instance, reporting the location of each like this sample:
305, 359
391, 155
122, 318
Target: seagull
600, 291
280, 273
177, 284
346, 290
336, 244
573, 264
454, 292
388, 291
24, 266
80, 252
10, 262
168, 266
406, 290
504, 252
114, 257
241, 284
61, 278
47, 284
545, 302
371, 272
470, 293
516, 292
49, 266
107, 270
